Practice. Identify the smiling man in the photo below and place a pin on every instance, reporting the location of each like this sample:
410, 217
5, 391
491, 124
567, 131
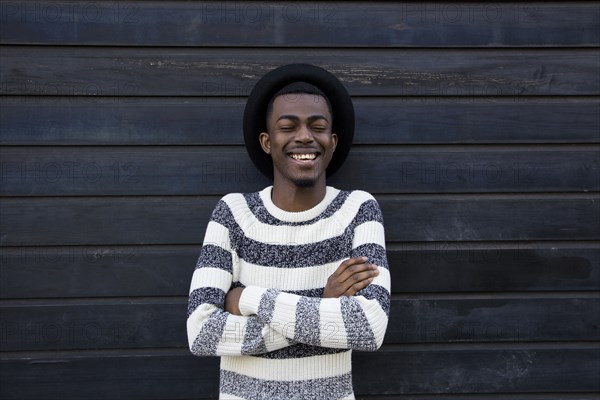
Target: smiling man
294, 277
301, 145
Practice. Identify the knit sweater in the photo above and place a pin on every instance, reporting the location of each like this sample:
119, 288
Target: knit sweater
289, 343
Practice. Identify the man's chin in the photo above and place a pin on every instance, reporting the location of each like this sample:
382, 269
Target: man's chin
305, 183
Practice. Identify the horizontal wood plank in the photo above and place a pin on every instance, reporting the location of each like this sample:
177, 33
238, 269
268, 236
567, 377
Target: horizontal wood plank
205, 170
490, 319
390, 371
143, 376
489, 396
457, 267
332, 24
108, 271
478, 371
182, 220
86, 71
171, 121
276, 24
159, 323
95, 325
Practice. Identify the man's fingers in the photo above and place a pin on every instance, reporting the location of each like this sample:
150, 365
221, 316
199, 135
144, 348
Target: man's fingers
359, 281
358, 286
348, 263
358, 271
351, 276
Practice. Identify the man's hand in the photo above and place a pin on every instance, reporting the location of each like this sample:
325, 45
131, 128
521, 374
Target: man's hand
351, 276
232, 301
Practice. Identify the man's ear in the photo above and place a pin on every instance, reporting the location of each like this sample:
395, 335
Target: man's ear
334, 139
265, 142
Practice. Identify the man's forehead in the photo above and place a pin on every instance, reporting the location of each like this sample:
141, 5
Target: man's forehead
300, 108
301, 100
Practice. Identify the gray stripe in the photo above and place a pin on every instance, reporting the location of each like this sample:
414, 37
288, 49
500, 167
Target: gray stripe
253, 340
375, 252
210, 334
307, 328
300, 350
333, 388
368, 211
267, 305
205, 295
215, 256
315, 292
358, 330
285, 255
222, 215
378, 293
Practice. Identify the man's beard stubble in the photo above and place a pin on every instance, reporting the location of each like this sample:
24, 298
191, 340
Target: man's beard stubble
304, 183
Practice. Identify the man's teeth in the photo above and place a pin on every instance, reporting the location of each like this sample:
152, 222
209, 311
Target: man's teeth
304, 156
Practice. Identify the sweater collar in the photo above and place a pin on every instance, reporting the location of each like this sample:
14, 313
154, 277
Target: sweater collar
301, 216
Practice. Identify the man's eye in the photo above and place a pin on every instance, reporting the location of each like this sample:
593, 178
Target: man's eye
286, 128
319, 128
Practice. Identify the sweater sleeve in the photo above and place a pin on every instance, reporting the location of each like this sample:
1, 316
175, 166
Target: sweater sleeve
211, 330
358, 322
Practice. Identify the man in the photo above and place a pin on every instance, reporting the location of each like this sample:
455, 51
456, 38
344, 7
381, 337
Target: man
291, 279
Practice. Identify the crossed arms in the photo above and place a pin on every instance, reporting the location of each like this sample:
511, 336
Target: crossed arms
350, 313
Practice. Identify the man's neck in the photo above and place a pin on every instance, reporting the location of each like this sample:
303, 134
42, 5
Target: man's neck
292, 198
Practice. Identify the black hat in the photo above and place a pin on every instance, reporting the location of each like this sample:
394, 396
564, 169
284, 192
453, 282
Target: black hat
255, 114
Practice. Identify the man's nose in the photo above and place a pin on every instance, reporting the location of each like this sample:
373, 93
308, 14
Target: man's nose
304, 135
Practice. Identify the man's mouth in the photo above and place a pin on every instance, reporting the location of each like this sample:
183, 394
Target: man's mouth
303, 156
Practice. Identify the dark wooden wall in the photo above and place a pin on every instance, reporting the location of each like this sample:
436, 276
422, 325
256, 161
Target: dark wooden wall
478, 131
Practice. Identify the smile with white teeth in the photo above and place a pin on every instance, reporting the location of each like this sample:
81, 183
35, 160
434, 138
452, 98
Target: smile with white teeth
309, 156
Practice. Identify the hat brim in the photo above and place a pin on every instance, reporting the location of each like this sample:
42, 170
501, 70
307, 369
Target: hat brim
256, 110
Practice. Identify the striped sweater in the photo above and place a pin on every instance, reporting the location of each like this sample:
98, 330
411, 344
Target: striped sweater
290, 342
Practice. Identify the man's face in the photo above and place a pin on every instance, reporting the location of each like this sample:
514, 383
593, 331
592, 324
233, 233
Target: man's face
299, 139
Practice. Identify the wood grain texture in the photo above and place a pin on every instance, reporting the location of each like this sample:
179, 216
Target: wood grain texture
157, 323
59, 120
408, 370
207, 170
182, 220
105, 71
479, 370
338, 24
448, 267
478, 127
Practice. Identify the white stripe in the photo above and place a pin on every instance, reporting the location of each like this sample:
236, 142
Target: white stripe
217, 235
299, 235
383, 279
376, 316
333, 332
369, 232
285, 314
315, 367
286, 278
360, 196
211, 277
196, 321
224, 396
232, 338
273, 340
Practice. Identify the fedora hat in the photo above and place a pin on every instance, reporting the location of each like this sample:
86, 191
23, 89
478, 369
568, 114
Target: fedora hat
255, 113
